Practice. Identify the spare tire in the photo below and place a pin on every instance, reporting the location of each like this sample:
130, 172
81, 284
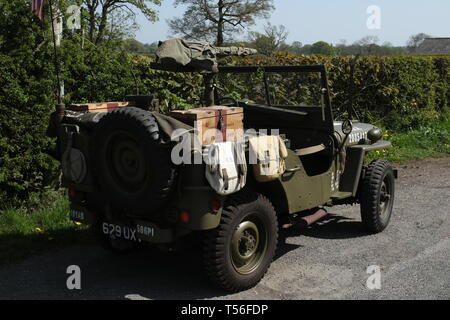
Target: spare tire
133, 170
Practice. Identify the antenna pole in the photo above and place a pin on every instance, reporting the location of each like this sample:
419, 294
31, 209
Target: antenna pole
60, 108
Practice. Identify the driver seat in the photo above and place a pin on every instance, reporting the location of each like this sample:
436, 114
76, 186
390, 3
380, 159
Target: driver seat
310, 150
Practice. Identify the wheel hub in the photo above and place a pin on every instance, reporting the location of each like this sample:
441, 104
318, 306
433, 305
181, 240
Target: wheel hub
248, 246
385, 198
126, 161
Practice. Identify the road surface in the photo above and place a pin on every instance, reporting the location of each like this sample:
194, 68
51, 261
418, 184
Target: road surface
327, 261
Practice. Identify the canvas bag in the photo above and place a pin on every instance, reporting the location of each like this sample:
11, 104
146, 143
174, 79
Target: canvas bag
226, 169
270, 153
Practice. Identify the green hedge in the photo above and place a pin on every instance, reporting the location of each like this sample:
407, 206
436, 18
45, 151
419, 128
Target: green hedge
25, 102
401, 93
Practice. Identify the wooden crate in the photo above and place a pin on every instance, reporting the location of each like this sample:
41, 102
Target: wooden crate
97, 107
215, 124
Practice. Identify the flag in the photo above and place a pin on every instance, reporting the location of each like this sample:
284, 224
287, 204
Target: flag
37, 7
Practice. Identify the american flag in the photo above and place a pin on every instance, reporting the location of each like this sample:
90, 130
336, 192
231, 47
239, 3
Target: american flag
37, 7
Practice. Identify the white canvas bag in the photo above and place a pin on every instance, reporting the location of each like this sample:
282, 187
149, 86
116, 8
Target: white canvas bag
226, 168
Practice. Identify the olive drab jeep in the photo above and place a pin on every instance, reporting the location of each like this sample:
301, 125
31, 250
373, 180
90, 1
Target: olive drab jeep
141, 177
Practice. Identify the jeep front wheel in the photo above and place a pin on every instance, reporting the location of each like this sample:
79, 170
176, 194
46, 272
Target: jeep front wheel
377, 196
239, 252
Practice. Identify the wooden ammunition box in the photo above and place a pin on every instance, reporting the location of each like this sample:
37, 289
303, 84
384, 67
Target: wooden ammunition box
214, 124
97, 107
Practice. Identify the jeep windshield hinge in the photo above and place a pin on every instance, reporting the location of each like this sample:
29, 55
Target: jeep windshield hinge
324, 91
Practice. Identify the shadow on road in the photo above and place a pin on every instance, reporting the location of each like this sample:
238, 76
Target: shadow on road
148, 273
153, 274
333, 226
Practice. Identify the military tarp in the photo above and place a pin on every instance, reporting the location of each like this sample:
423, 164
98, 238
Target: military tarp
174, 54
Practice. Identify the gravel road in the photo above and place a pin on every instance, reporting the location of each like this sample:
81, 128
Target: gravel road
326, 261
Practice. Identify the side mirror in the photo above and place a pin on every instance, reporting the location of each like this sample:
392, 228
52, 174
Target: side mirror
347, 127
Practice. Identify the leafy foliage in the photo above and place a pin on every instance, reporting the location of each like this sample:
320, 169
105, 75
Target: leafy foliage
99, 13
273, 39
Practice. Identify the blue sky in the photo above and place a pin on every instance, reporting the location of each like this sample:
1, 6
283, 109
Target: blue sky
332, 20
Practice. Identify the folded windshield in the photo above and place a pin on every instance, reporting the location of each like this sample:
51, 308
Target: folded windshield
273, 88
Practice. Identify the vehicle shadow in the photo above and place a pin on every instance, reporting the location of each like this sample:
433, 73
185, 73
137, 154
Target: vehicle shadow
149, 273
154, 274
333, 226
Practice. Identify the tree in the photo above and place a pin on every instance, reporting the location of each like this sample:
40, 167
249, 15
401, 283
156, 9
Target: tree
295, 47
367, 45
151, 47
323, 48
367, 40
133, 46
273, 39
415, 41
217, 20
98, 13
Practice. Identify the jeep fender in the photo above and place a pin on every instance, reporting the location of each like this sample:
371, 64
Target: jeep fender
354, 164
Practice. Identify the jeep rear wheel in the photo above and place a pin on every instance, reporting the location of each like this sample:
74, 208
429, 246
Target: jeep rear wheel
133, 170
377, 196
239, 252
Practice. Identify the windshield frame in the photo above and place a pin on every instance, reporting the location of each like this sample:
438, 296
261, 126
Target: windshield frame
327, 112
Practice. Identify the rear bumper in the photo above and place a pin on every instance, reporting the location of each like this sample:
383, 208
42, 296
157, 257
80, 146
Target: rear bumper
135, 230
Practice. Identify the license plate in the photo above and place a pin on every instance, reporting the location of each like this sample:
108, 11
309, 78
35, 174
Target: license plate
77, 215
146, 231
118, 231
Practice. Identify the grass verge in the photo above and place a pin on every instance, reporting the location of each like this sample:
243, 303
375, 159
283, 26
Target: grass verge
23, 234
421, 143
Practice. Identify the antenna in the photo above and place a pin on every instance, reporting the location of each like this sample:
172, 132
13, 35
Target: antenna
60, 107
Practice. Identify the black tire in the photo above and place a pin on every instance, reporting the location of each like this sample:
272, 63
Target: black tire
377, 196
223, 259
133, 170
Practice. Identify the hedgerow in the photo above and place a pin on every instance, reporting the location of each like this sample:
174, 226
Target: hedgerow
398, 92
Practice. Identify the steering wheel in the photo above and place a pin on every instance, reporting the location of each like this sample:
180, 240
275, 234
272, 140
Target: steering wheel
220, 100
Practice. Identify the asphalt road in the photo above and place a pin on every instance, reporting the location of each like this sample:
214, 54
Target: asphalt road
326, 261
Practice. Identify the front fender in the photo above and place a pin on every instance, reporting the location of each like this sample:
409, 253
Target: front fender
354, 163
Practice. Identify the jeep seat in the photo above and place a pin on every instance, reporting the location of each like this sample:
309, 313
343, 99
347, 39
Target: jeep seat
310, 150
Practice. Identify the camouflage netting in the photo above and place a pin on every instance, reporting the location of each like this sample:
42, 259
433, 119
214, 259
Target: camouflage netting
176, 54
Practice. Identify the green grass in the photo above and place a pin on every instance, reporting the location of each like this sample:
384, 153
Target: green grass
23, 234
431, 142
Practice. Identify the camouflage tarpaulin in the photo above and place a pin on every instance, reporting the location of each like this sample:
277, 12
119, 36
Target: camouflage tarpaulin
174, 54
234, 51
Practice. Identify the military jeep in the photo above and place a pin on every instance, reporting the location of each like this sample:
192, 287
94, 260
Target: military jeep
117, 167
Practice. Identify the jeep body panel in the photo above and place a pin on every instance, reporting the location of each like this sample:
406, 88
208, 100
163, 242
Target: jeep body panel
302, 191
